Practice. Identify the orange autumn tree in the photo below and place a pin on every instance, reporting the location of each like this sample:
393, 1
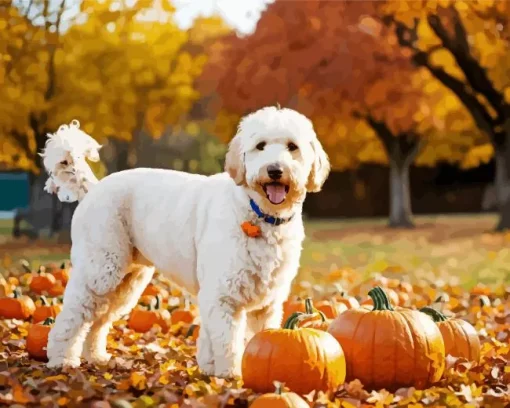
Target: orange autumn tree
347, 72
465, 46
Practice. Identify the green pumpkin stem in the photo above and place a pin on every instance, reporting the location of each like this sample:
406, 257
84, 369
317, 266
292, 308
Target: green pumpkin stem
292, 321
43, 300
49, 321
15, 294
380, 299
310, 309
63, 266
158, 303
434, 314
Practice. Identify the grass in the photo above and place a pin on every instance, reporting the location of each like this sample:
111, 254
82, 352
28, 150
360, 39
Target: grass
458, 249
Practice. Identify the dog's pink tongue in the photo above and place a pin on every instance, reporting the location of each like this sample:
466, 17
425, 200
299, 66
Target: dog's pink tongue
276, 193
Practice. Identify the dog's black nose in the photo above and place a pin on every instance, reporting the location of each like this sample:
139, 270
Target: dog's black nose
274, 171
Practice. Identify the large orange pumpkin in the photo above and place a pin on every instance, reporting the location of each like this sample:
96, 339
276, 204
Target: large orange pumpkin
279, 399
37, 339
460, 338
16, 307
302, 358
350, 301
388, 348
45, 310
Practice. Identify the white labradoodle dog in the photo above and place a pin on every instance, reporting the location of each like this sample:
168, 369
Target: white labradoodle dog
189, 227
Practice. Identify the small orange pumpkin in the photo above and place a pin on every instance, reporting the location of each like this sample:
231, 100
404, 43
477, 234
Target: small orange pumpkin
42, 282
61, 274
460, 338
310, 318
350, 301
57, 289
330, 308
16, 307
184, 315
37, 339
142, 321
45, 310
279, 399
304, 359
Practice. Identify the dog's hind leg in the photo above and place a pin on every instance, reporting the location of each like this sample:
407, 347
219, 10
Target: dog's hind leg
96, 275
121, 302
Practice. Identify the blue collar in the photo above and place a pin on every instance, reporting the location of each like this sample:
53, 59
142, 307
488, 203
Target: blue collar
268, 218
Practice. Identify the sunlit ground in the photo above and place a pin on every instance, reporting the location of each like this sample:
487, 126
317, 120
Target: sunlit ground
458, 249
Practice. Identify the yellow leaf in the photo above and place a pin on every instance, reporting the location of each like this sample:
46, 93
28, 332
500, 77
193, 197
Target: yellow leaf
138, 380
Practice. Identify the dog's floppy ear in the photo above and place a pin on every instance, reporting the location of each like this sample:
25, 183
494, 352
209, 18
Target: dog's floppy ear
234, 161
320, 168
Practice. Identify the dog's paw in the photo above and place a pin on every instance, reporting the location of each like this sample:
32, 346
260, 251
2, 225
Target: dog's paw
227, 372
207, 369
97, 358
60, 362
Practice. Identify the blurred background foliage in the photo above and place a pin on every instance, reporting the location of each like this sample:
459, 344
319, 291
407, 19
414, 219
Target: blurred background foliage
398, 84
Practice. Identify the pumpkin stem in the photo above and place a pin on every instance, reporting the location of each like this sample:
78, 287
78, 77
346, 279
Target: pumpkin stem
190, 331
63, 266
15, 294
278, 387
40, 270
380, 299
26, 266
308, 306
49, 321
158, 302
310, 309
292, 321
44, 302
434, 314
484, 301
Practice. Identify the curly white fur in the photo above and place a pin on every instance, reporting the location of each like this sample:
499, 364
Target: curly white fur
189, 227
64, 158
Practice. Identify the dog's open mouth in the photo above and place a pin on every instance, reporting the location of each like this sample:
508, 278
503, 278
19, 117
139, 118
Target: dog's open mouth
276, 192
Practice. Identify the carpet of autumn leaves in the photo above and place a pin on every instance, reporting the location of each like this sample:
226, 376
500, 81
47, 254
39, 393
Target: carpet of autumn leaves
159, 369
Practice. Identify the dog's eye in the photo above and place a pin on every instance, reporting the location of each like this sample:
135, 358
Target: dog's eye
292, 147
64, 162
261, 145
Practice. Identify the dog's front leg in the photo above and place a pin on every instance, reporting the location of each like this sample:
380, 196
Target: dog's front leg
269, 317
225, 327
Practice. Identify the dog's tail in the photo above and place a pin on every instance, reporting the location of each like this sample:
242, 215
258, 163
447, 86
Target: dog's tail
64, 158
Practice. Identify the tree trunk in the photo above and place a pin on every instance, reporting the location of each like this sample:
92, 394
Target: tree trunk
400, 195
401, 149
502, 183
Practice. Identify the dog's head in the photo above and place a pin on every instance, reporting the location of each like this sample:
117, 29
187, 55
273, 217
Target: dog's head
277, 155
